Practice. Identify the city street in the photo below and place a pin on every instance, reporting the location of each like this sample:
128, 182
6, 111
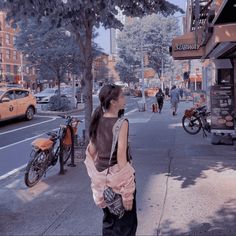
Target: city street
185, 185
17, 135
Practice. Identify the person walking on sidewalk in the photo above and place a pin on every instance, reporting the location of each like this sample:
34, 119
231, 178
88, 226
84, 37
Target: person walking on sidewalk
160, 99
121, 173
174, 99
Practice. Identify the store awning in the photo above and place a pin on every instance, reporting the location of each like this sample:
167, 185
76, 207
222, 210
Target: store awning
222, 41
186, 47
226, 13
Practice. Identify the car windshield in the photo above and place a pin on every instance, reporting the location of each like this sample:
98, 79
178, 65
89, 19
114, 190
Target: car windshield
49, 90
1, 92
67, 90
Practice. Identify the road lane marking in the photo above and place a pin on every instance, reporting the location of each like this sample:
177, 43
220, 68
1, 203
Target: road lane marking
28, 126
12, 172
22, 141
129, 112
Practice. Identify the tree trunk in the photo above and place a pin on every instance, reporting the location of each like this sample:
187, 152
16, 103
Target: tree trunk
88, 79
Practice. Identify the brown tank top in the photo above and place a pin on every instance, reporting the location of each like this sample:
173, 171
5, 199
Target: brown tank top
104, 143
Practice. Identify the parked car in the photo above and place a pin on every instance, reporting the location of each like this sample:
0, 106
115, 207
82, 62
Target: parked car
68, 91
16, 102
45, 95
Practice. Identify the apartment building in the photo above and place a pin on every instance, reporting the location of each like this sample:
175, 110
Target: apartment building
12, 63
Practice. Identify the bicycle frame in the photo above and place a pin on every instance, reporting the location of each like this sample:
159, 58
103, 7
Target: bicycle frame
197, 116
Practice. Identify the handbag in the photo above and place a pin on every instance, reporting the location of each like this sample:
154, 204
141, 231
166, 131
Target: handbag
112, 199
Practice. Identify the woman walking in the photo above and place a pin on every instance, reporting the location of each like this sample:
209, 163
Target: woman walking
160, 99
121, 173
174, 99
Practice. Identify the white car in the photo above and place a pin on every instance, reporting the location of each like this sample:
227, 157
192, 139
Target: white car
45, 95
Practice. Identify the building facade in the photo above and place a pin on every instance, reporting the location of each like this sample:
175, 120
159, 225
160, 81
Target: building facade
211, 36
12, 63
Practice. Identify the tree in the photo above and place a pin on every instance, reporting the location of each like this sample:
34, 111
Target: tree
126, 72
85, 15
52, 51
152, 35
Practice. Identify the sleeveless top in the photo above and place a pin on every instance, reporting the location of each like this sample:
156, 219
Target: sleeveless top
104, 143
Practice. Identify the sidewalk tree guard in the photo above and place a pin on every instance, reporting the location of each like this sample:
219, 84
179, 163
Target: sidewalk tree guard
80, 18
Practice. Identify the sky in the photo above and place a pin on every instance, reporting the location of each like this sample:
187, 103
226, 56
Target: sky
103, 39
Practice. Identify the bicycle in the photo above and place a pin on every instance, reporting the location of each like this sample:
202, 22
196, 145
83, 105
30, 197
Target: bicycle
46, 151
195, 119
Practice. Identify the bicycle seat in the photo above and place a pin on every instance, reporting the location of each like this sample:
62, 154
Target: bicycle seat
52, 134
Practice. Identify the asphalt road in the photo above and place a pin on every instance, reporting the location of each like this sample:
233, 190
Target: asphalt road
16, 135
185, 186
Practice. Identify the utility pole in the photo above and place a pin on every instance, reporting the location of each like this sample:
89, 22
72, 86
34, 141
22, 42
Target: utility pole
21, 69
162, 74
142, 68
142, 77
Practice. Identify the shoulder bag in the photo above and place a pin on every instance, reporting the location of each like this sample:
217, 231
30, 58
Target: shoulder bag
112, 199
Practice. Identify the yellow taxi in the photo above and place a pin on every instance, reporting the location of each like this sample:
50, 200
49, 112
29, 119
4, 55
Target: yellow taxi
16, 102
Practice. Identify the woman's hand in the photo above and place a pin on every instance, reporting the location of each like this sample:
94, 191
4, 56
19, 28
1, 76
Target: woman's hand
128, 205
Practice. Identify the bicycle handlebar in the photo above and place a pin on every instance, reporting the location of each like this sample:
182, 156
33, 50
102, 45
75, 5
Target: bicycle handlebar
70, 117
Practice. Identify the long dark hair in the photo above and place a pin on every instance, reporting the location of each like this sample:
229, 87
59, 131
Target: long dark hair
107, 93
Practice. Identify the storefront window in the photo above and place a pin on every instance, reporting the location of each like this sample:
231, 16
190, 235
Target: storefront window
225, 76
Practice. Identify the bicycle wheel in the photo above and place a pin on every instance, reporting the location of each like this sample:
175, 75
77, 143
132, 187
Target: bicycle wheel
35, 168
191, 125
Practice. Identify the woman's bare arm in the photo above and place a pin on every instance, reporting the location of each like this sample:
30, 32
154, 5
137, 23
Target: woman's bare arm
122, 145
92, 150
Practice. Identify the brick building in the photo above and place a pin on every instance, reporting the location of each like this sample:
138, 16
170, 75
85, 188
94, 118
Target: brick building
11, 60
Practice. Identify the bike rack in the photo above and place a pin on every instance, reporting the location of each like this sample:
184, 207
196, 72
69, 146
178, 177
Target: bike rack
72, 164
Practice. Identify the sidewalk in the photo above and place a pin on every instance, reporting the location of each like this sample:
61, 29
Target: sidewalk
185, 186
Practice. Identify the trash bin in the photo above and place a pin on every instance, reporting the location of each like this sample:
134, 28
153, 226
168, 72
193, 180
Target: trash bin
141, 105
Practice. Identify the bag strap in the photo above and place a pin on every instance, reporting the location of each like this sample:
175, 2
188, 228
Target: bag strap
115, 132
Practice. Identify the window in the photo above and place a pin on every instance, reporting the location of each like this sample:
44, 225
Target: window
0, 41
8, 54
21, 94
7, 39
10, 95
8, 69
15, 55
15, 69
0, 57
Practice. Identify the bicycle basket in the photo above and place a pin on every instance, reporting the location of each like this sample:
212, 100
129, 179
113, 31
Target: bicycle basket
189, 112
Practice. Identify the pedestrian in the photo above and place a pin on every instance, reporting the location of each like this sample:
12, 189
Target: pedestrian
167, 92
160, 99
174, 99
181, 93
121, 173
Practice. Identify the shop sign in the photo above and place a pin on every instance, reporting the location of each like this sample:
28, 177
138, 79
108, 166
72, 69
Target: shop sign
222, 109
186, 47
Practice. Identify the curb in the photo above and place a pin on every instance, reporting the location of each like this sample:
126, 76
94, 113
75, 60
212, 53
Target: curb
46, 113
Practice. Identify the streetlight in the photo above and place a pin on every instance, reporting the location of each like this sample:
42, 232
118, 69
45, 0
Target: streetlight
21, 69
142, 67
142, 77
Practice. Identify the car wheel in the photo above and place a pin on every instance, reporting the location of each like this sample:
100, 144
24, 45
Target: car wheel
29, 113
